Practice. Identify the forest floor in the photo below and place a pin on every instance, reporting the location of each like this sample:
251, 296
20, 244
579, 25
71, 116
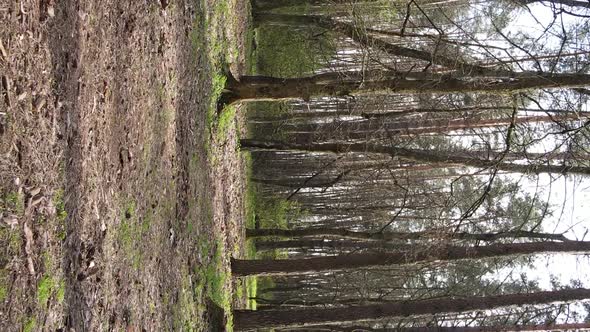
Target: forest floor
120, 183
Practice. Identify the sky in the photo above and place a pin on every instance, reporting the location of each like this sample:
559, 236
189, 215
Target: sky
569, 195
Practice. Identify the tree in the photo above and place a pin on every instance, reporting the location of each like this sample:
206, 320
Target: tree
511, 328
419, 254
251, 88
246, 319
388, 236
416, 155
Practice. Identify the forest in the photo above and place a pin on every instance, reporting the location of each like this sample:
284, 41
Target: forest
295, 165
414, 164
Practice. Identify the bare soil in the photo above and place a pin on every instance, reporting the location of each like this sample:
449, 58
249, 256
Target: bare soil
117, 190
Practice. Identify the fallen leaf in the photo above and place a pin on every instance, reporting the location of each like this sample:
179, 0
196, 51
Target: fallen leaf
10, 220
35, 191
3, 51
28, 247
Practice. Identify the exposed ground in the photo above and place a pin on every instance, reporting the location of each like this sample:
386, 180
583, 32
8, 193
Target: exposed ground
120, 184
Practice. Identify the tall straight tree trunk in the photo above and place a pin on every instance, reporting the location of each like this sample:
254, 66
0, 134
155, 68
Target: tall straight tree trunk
248, 320
273, 88
414, 127
571, 3
267, 5
241, 267
335, 244
423, 156
387, 236
496, 328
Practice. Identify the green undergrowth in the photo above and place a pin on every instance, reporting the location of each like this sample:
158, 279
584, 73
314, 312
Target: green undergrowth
249, 284
132, 230
215, 279
11, 208
263, 212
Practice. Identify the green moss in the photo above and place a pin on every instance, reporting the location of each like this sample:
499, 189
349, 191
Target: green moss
217, 85
217, 279
3, 292
3, 285
30, 325
60, 208
187, 311
61, 292
13, 202
225, 122
251, 288
10, 243
275, 212
45, 290
285, 51
132, 231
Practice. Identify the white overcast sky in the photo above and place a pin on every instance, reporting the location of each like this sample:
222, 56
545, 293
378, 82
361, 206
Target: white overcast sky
570, 196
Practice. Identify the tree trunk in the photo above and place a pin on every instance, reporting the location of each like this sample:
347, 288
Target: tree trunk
571, 3
273, 88
242, 267
368, 128
248, 320
335, 244
388, 236
267, 5
414, 155
496, 328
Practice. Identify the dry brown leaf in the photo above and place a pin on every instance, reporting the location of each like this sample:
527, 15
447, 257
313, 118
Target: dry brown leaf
6, 86
28, 247
10, 220
35, 191
22, 96
35, 202
3, 51
39, 104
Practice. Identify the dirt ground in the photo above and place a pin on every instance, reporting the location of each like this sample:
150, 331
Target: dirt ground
120, 186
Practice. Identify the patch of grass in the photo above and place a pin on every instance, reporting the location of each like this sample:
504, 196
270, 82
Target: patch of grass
60, 207
217, 85
61, 213
188, 310
250, 195
285, 51
30, 325
251, 51
251, 291
10, 246
45, 290
225, 122
273, 212
61, 291
278, 112
13, 202
3, 285
10, 243
217, 278
131, 232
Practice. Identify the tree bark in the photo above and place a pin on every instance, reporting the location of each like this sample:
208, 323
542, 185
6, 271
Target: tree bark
388, 236
248, 320
251, 88
242, 267
571, 3
496, 328
334, 244
414, 155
